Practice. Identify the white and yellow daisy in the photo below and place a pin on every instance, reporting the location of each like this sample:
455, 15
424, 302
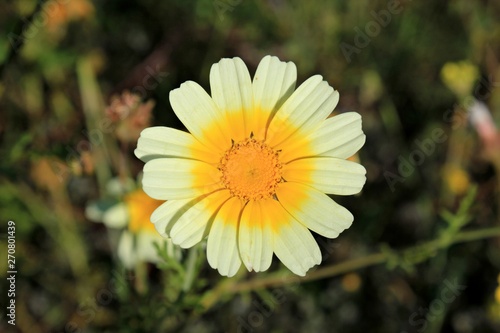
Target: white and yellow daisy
138, 236
253, 171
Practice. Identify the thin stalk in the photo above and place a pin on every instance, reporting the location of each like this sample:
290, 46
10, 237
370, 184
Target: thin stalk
280, 279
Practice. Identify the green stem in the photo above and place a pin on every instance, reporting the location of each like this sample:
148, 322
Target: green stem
191, 267
17, 37
104, 152
141, 278
469, 236
280, 279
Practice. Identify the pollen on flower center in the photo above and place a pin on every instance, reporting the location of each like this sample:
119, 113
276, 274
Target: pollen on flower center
250, 169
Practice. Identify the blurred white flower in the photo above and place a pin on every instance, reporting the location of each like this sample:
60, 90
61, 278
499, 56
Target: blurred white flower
132, 214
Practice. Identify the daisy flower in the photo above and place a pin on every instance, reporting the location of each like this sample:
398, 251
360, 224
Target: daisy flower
138, 236
137, 241
253, 170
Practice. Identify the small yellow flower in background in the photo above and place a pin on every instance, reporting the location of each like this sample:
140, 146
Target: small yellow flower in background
136, 243
456, 178
494, 307
351, 282
459, 77
253, 171
497, 291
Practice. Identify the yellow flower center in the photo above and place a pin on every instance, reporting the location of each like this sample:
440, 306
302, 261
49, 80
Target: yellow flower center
250, 170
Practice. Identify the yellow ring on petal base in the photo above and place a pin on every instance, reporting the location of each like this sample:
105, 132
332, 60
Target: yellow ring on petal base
250, 170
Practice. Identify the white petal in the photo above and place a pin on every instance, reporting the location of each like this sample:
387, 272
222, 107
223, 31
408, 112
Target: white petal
177, 178
340, 136
255, 238
126, 252
198, 112
118, 186
116, 216
192, 221
93, 212
273, 83
163, 216
314, 209
308, 106
294, 245
146, 249
157, 142
231, 90
222, 246
327, 174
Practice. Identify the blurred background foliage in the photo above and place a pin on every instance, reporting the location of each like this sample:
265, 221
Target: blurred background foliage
68, 127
